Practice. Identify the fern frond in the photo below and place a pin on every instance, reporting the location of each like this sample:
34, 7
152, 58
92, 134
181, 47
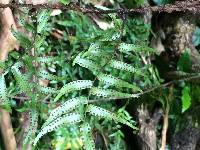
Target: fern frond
125, 48
122, 66
86, 136
32, 127
38, 42
74, 86
96, 53
3, 91
110, 80
65, 119
47, 59
45, 75
46, 90
22, 38
22, 81
111, 94
94, 50
94, 47
42, 19
111, 37
103, 113
65, 108
92, 66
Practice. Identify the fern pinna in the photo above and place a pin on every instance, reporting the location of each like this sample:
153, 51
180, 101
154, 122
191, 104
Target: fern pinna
104, 59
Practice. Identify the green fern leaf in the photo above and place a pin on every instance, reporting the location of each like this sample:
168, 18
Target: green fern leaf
42, 19
111, 94
86, 136
111, 37
94, 50
125, 48
47, 59
45, 75
33, 126
22, 81
66, 119
103, 113
3, 91
74, 86
65, 108
23, 39
46, 90
110, 80
39, 40
122, 66
92, 66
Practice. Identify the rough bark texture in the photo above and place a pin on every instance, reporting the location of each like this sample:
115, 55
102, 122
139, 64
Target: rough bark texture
147, 134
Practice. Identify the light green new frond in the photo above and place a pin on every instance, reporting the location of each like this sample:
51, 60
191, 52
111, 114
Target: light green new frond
74, 86
125, 48
3, 90
65, 119
122, 66
110, 80
42, 19
47, 59
86, 136
47, 90
21, 79
45, 75
103, 113
32, 127
92, 66
111, 94
65, 108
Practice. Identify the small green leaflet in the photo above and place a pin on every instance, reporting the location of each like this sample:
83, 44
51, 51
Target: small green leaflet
186, 99
122, 66
33, 126
42, 18
45, 75
22, 38
48, 59
103, 113
46, 90
184, 62
110, 80
68, 106
92, 66
65, 2
65, 119
125, 48
86, 136
74, 86
22, 81
3, 91
111, 94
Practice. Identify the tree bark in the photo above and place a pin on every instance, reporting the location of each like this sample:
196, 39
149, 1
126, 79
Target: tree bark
7, 43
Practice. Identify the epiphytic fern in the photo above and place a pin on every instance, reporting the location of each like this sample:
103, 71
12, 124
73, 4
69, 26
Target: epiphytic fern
104, 61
